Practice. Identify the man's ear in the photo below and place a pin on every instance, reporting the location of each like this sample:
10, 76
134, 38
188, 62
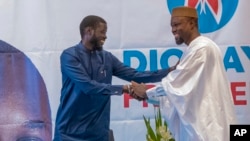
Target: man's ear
89, 31
192, 23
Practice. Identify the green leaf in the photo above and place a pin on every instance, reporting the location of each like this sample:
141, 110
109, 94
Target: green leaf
159, 116
149, 129
155, 135
165, 123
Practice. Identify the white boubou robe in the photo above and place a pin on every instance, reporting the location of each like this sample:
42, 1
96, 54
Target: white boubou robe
198, 103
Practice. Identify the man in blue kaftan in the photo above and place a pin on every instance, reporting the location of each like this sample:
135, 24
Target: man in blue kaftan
87, 70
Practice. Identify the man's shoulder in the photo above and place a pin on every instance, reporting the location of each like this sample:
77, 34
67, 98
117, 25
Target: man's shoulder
70, 50
205, 40
202, 41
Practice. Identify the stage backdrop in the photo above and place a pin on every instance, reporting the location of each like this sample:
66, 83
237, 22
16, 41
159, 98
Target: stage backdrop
139, 34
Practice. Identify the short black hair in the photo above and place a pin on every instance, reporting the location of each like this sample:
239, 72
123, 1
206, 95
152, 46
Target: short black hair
90, 21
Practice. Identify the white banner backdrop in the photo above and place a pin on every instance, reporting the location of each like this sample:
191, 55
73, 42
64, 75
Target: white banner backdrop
43, 28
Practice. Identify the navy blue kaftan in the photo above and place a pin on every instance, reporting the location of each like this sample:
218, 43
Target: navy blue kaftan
84, 110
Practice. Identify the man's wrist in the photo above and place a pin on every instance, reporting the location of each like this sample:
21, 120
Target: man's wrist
129, 90
126, 89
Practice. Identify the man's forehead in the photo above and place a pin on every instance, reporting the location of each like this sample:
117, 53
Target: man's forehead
101, 24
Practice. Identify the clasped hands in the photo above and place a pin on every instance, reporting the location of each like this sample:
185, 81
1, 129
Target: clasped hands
136, 90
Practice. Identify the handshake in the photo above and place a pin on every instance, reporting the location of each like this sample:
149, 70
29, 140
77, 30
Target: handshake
136, 90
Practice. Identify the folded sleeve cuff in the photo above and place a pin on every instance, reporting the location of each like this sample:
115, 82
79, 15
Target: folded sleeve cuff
156, 91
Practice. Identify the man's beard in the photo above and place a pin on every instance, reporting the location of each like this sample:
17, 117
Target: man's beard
96, 45
179, 41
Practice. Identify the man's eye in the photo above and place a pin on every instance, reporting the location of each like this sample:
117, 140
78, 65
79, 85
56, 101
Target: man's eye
176, 24
29, 139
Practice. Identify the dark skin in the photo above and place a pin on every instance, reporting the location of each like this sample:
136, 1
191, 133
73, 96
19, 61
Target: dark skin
185, 30
94, 38
138, 91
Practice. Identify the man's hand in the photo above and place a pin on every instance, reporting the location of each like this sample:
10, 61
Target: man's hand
139, 90
128, 89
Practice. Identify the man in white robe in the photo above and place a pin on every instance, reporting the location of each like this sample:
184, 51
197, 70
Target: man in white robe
198, 103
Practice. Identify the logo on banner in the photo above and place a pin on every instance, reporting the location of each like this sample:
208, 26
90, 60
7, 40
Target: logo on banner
213, 14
